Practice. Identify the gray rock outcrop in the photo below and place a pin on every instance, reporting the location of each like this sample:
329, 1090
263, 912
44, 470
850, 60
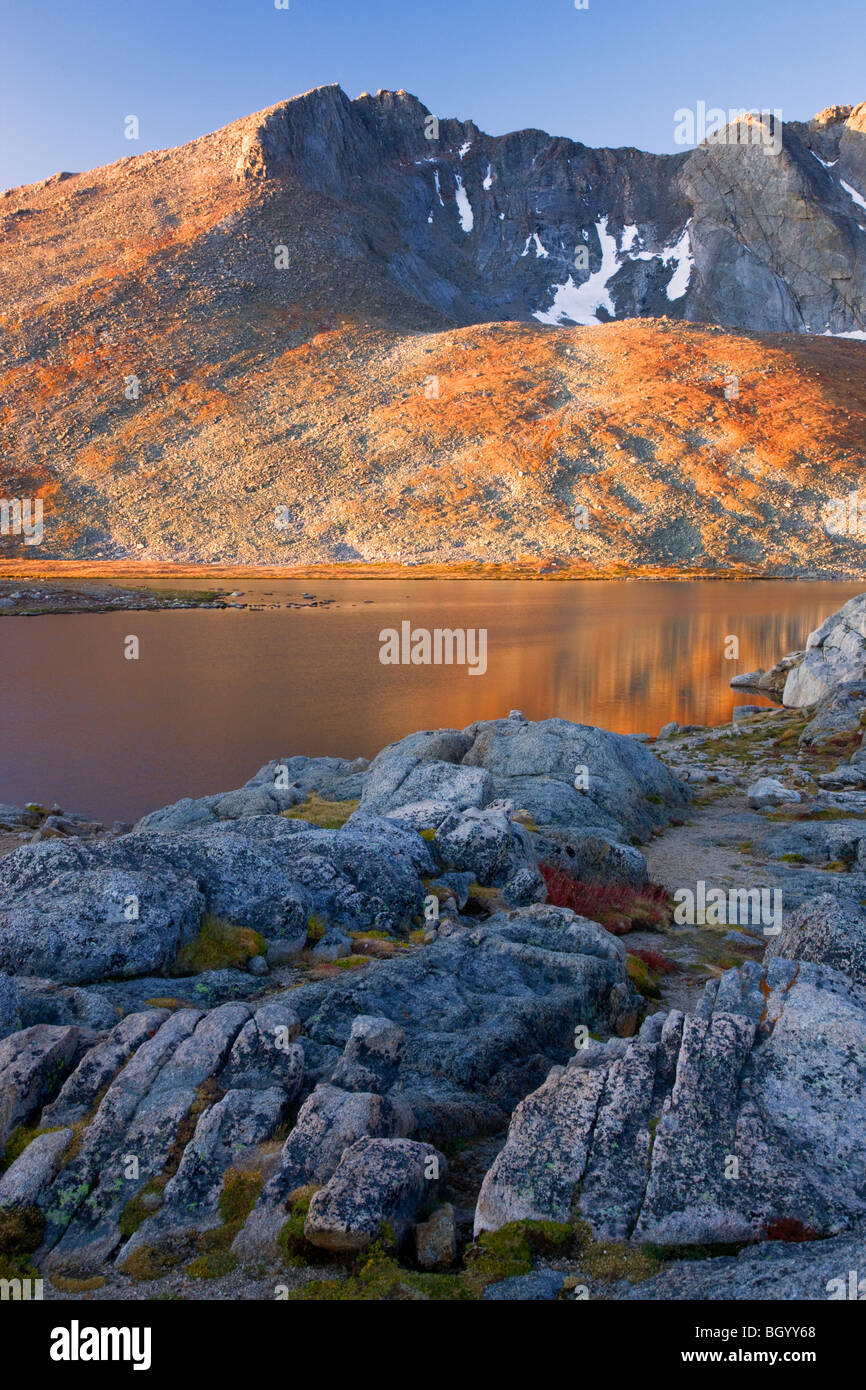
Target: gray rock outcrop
709, 1129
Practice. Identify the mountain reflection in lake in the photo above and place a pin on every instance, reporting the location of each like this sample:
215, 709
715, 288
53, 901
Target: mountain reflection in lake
217, 693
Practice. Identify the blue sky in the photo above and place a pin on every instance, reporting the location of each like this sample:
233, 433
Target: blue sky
612, 74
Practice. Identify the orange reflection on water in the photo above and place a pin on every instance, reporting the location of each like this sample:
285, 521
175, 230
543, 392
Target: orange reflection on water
216, 694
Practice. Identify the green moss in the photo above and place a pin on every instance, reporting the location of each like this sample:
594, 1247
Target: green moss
219, 946
644, 979
508, 1252
315, 929
482, 894
327, 815
18, 1267
380, 1278
350, 962
166, 1002
20, 1230
428, 834
138, 1209
212, 1266
496, 1255
240, 1192
19, 1139
66, 1284
149, 1262
609, 1260
291, 1239
655, 798
792, 858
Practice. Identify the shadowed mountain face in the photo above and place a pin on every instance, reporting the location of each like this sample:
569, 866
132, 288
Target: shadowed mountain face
283, 342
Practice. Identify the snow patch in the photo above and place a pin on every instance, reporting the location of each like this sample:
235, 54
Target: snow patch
438, 189
827, 163
681, 255
488, 179
853, 333
580, 303
629, 236
540, 253
464, 149
852, 193
464, 207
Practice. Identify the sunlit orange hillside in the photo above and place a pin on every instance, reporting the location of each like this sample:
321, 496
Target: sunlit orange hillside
172, 399
345, 430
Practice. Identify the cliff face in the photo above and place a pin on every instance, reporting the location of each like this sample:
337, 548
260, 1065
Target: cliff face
193, 338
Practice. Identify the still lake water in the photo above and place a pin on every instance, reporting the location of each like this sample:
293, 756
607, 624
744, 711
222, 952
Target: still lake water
217, 693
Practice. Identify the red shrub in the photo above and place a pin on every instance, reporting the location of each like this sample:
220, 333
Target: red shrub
656, 961
789, 1228
617, 906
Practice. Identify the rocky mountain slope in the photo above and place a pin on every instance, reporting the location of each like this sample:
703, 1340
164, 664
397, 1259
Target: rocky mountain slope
319, 334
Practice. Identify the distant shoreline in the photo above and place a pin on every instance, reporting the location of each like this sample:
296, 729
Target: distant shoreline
549, 570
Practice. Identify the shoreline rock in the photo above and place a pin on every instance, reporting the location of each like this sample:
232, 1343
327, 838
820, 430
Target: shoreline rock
492, 1023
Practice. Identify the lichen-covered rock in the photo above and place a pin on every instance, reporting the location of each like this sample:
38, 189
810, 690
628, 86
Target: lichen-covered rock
279, 785
33, 1065
541, 1286
485, 1012
828, 932
494, 848
181, 815
590, 854
391, 767
838, 721
625, 784
710, 1129
334, 945
436, 1239
328, 1123
817, 841
372, 1055
835, 656
79, 913
776, 1270
378, 1184
44, 1001
10, 1005
100, 1064
131, 1136
32, 1170
769, 791
434, 785
265, 1053
333, 779
224, 1136
256, 801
